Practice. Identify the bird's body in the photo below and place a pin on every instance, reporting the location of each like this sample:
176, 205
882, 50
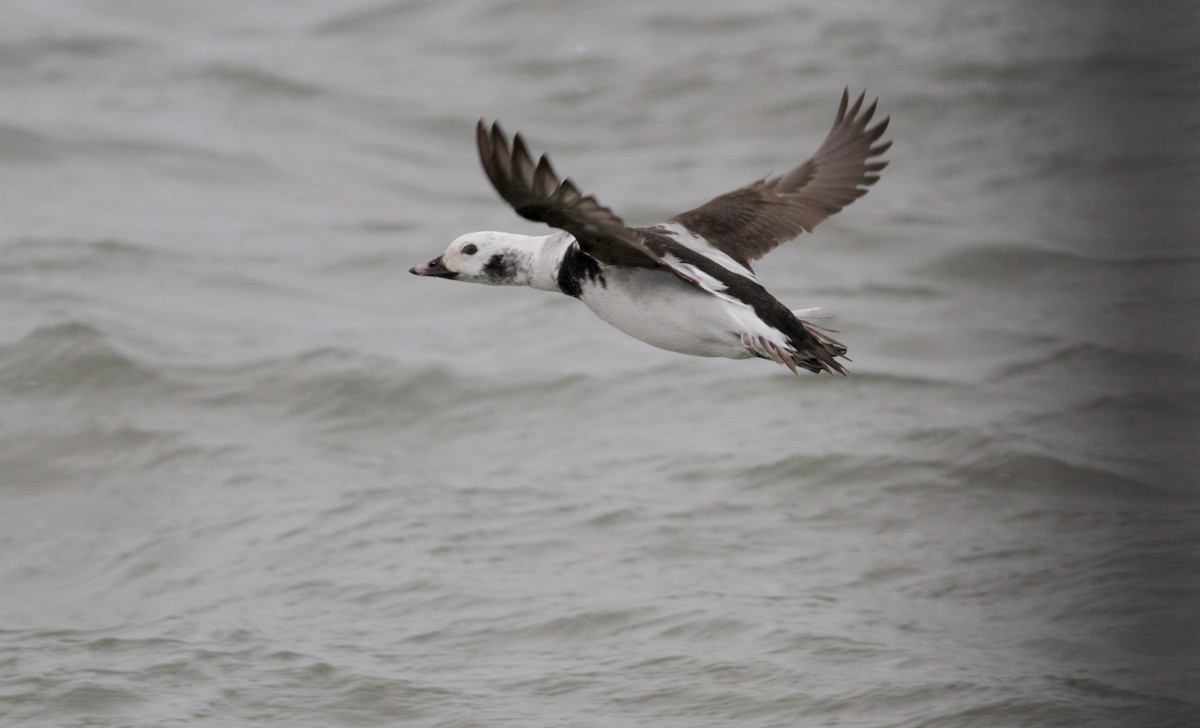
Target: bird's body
685, 285
685, 319
657, 307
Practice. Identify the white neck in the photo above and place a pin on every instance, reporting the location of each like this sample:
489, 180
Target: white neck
545, 253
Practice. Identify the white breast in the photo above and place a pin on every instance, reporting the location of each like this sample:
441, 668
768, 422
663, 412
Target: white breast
658, 308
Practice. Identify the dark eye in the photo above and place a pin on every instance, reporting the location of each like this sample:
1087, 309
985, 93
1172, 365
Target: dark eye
470, 249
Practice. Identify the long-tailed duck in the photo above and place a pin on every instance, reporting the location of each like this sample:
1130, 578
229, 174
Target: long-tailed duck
685, 285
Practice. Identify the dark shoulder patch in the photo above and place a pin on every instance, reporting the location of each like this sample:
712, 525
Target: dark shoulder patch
577, 266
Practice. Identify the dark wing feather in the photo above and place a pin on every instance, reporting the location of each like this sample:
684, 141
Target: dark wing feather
536, 193
752, 221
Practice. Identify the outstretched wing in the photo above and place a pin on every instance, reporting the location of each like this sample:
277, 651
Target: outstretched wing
536, 193
752, 221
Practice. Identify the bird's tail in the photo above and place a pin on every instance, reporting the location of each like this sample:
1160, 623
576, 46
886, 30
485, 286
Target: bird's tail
811, 347
819, 350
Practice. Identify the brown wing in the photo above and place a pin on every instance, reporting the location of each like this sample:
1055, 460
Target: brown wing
752, 221
536, 193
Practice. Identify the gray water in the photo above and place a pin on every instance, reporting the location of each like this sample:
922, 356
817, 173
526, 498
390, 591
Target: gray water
254, 473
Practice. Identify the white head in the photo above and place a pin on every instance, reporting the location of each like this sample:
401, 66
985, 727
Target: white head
494, 258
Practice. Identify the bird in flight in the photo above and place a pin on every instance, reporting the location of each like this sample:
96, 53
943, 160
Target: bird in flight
684, 285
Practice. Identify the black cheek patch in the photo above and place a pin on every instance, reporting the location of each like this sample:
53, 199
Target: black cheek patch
500, 267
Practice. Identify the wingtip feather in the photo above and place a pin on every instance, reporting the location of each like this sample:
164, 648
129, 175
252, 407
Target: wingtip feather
857, 105
841, 114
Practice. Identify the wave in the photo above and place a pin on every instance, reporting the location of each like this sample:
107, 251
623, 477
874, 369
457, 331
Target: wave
23, 145
1010, 468
72, 357
54, 254
337, 387
373, 18
52, 455
25, 53
258, 82
960, 457
1004, 262
1110, 361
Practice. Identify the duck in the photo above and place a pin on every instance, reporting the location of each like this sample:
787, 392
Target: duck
685, 285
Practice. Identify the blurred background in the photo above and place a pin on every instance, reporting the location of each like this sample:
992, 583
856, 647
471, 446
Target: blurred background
252, 472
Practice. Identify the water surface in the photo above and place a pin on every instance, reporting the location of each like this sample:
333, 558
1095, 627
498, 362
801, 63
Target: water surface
253, 473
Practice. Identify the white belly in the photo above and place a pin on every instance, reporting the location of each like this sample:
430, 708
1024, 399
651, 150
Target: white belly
661, 310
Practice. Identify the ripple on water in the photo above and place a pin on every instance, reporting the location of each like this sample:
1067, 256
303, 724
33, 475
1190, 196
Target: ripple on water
77, 358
